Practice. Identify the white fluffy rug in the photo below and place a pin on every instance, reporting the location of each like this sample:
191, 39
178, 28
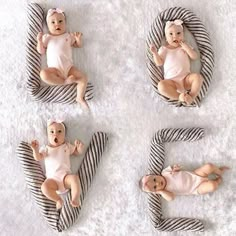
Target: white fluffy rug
125, 105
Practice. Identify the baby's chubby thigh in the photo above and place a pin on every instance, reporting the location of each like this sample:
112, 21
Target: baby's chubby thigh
71, 180
52, 76
165, 84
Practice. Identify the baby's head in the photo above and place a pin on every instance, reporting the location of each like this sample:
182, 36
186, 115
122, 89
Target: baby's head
56, 21
56, 131
174, 33
152, 183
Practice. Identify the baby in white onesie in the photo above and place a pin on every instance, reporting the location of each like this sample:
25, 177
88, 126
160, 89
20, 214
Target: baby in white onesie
174, 181
56, 156
57, 44
178, 82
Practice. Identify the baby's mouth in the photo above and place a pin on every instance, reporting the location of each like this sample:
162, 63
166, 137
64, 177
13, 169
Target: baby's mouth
58, 29
55, 140
175, 41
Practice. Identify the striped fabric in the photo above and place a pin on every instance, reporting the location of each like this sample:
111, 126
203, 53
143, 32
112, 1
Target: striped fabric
65, 94
34, 176
195, 26
156, 164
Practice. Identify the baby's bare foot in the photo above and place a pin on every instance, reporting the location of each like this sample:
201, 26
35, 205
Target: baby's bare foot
188, 99
70, 79
83, 103
223, 169
218, 179
75, 203
182, 97
59, 204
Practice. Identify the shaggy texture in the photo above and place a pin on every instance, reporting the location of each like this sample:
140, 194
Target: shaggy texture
126, 107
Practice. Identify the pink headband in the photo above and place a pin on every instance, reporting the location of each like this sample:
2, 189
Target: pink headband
175, 22
53, 11
58, 121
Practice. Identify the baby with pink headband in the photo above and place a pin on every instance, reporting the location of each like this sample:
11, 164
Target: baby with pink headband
174, 181
56, 156
178, 82
57, 45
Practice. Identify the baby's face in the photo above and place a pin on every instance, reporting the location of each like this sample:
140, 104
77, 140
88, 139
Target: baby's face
56, 134
56, 24
174, 35
153, 183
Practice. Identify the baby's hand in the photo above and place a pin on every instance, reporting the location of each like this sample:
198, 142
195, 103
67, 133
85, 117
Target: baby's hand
79, 145
184, 46
153, 49
40, 36
34, 145
175, 168
77, 35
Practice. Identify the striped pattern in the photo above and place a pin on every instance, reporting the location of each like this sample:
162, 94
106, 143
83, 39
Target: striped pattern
34, 176
65, 94
195, 26
156, 164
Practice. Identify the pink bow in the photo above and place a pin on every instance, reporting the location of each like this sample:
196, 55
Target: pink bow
51, 121
175, 22
52, 11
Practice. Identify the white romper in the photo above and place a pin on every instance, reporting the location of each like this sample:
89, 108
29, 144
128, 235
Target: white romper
182, 182
57, 162
59, 51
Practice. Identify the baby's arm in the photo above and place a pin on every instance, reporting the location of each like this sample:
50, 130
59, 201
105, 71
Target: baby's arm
190, 51
35, 147
168, 196
78, 39
157, 58
40, 48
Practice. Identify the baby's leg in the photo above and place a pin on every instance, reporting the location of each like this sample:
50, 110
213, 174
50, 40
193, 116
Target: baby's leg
81, 81
209, 168
52, 76
72, 182
49, 188
193, 82
168, 89
209, 186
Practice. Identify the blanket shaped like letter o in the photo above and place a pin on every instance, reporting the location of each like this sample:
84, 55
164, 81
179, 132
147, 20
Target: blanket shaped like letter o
195, 26
156, 163
61, 220
65, 94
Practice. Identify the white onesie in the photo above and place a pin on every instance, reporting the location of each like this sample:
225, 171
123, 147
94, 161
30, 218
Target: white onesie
176, 63
57, 162
182, 182
59, 51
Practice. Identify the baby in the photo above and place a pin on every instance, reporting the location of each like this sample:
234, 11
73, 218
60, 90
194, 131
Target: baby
56, 156
58, 47
179, 83
174, 181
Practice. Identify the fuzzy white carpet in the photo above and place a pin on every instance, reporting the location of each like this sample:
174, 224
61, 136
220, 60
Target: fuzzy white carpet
125, 105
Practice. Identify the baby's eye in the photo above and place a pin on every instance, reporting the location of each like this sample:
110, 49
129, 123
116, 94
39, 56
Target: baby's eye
53, 22
51, 131
59, 131
60, 21
171, 33
154, 180
179, 33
